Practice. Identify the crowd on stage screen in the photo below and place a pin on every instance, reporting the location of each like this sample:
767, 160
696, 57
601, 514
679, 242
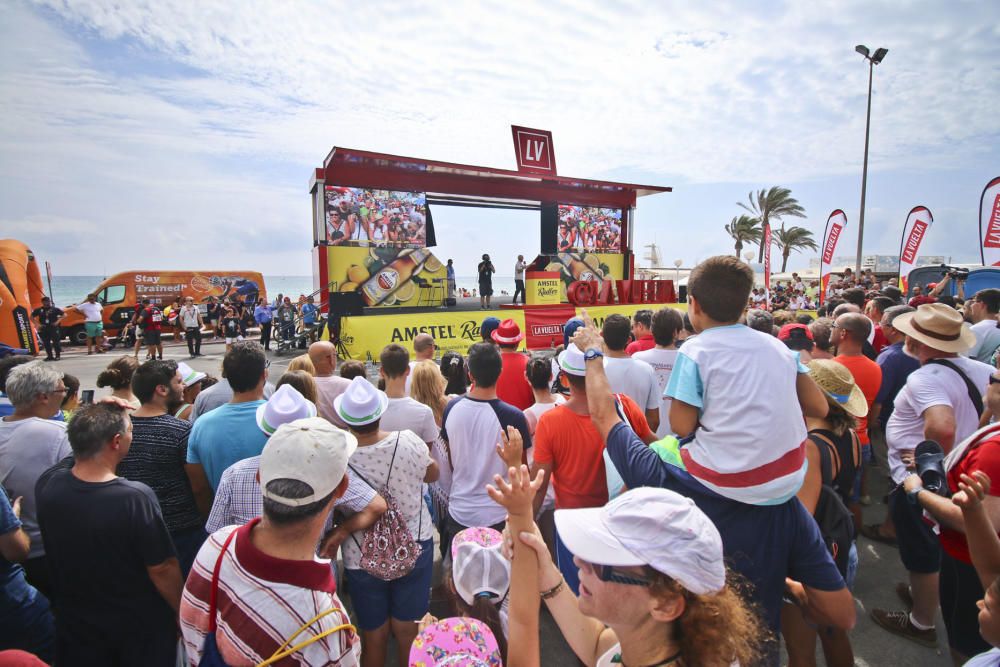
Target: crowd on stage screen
363, 217
589, 229
635, 480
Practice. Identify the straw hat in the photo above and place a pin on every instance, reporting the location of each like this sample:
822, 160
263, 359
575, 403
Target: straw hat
937, 326
837, 382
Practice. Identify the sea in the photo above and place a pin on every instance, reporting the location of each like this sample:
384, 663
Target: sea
74, 289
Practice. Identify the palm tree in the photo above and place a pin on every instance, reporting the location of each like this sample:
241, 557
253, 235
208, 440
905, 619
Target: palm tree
772, 204
793, 238
744, 229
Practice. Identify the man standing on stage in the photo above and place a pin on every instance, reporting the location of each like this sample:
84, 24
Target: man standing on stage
519, 268
486, 271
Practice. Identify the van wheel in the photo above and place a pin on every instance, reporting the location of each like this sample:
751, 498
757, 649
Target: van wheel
78, 335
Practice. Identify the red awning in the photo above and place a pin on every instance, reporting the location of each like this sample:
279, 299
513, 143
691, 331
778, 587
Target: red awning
355, 168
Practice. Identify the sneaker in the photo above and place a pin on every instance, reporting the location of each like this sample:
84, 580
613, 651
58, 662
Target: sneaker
49, 359
898, 623
904, 594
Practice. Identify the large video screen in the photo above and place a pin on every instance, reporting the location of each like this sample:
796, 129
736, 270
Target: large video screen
589, 229
362, 217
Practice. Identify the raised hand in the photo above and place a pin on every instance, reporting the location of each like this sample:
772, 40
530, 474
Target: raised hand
972, 490
510, 449
517, 495
587, 336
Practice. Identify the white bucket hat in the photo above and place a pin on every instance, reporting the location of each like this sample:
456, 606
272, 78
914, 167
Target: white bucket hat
285, 405
312, 451
571, 361
190, 375
649, 526
361, 403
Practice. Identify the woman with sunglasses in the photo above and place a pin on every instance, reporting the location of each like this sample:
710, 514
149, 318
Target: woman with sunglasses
653, 586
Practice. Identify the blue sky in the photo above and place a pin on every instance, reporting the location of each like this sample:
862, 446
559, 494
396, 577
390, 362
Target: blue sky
173, 134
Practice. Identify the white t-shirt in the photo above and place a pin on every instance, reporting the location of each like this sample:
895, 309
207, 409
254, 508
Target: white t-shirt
533, 414
635, 379
91, 311
189, 317
407, 413
987, 340
931, 385
989, 659
327, 389
748, 445
519, 268
662, 362
29, 447
406, 484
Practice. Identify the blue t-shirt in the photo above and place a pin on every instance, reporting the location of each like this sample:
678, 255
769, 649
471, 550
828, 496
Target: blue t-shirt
262, 314
896, 366
16, 590
764, 543
224, 436
308, 313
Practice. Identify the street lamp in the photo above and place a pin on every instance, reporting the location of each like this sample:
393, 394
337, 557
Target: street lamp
677, 272
873, 59
748, 256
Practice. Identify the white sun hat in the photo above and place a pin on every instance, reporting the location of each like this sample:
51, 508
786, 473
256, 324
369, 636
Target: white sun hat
361, 403
285, 405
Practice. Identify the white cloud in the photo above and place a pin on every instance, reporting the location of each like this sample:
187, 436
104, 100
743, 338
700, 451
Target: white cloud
193, 127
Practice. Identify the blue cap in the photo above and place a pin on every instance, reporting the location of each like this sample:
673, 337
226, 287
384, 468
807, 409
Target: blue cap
489, 325
572, 324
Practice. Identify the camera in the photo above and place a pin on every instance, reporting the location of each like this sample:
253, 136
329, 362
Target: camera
929, 459
955, 272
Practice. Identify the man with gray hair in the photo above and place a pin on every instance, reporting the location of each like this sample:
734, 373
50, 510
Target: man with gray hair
114, 570
760, 320
31, 442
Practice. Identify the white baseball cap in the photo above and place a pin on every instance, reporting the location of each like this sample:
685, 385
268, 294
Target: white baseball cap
312, 451
361, 403
571, 361
285, 405
478, 565
649, 526
189, 375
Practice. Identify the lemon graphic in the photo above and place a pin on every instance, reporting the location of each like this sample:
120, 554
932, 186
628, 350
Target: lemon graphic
348, 287
391, 301
357, 274
432, 264
406, 292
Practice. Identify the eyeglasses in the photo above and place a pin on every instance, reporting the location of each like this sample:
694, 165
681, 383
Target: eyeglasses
609, 573
994, 380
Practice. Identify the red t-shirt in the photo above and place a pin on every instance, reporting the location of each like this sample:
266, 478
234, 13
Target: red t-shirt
985, 457
868, 376
879, 342
644, 343
512, 386
575, 450
152, 319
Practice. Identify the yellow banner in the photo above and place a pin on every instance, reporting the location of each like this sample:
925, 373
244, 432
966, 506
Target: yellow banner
387, 277
574, 266
543, 289
364, 337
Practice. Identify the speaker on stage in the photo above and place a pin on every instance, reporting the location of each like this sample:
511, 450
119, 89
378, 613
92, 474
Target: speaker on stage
682, 296
549, 228
346, 304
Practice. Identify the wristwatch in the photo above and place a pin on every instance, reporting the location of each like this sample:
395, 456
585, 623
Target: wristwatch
592, 353
912, 495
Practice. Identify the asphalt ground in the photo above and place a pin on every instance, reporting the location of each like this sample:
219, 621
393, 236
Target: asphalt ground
878, 572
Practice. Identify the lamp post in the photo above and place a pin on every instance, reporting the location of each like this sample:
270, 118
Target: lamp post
677, 272
873, 59
748, 256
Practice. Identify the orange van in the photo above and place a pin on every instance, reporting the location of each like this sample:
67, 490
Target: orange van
121, 292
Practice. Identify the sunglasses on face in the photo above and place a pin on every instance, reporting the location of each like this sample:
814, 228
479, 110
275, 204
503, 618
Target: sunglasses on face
608, 573
994, 380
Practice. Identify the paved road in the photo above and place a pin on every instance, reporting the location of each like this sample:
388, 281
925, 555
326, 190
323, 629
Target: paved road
879, 570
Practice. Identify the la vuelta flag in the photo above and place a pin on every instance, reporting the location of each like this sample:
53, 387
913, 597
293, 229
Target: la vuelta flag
917, 223
834, 226
767, 264
989, 223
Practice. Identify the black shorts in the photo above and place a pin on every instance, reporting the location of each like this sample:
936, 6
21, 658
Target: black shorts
485, 289
960, 590
919, 548
151, 337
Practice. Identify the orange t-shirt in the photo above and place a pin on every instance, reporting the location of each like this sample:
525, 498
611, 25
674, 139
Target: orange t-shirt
572, 446
868, 376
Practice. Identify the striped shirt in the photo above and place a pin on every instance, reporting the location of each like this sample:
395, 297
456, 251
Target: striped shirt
157, 458
262, 601
238, 499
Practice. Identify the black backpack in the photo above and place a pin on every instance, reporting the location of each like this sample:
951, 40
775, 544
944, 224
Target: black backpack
836, 523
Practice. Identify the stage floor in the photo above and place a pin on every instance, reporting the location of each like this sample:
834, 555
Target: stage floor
467, 305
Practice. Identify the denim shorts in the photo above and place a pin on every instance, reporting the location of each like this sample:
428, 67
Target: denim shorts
404, 599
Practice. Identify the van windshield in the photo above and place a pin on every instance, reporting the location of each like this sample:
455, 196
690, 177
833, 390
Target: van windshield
113, 294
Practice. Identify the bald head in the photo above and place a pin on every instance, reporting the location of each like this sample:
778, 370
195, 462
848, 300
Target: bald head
323, 354
845, 308
856, 325
423, 346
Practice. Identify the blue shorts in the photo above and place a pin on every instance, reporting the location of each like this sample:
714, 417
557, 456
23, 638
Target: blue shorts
94, 329
405, 599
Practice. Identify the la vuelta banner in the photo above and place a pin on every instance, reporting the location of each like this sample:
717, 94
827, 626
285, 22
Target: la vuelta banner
917, 223
834, 227
989, 223
767, 264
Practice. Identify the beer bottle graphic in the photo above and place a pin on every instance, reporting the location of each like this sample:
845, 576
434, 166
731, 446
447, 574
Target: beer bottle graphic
380, 286
578, 269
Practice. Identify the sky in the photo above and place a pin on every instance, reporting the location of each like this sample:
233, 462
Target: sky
169, 134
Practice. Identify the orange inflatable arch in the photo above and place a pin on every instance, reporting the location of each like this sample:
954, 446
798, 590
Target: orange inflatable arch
21, 292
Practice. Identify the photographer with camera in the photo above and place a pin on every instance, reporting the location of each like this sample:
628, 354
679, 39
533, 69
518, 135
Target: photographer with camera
931, 490
942, 402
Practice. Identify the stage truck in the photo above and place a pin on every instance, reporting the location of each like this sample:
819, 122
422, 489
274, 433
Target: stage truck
120, 293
